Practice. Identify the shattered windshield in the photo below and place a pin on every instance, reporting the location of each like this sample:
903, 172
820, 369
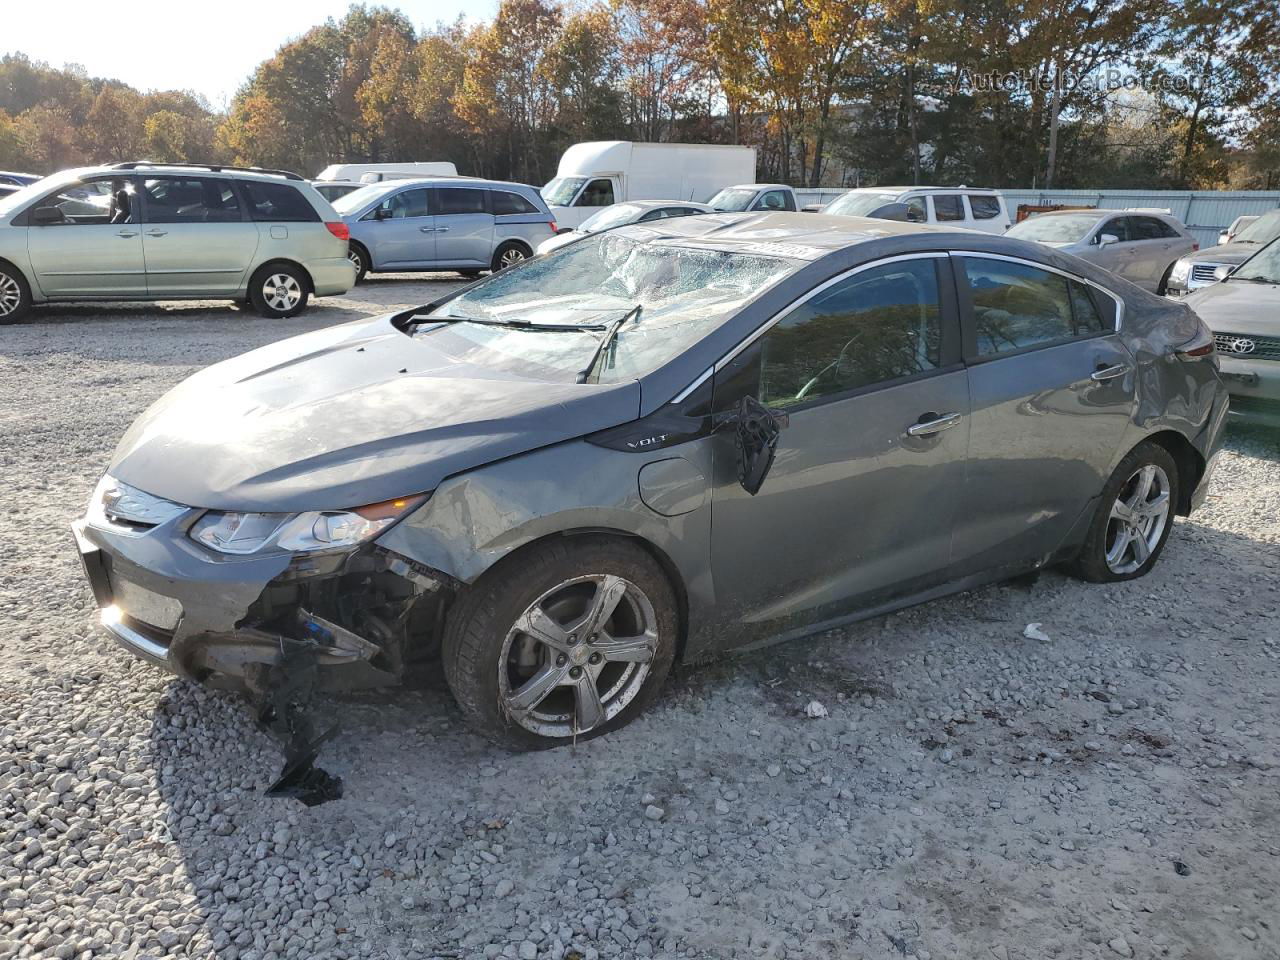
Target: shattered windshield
730, 200
685, 293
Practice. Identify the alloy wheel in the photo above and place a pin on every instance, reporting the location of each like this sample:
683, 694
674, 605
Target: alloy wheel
281, 292
511, 256
1138, 519
10, 295
354, 256
577, 655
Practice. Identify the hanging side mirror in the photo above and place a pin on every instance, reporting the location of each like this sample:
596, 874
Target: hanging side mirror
756, 430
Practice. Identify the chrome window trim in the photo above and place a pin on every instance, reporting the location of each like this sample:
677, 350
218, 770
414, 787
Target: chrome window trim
702, 378
765, 327
1044, 266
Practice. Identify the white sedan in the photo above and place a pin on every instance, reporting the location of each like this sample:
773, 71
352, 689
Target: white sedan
632, 211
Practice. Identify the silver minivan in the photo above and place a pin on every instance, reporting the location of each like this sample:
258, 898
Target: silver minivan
138, 231
444, 223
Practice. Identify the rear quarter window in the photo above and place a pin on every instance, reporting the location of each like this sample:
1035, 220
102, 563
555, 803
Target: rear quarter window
984, 206
278, 202
506, 203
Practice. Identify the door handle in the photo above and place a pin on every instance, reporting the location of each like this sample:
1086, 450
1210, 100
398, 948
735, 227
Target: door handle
442, 229
427, 229
940, 422
157, 233
127, 234
1109, 373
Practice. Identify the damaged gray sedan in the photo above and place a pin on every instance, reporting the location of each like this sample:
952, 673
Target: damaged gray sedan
656, 444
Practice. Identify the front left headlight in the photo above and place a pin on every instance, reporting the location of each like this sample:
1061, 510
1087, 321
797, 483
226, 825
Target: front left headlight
244, 533
1181, 270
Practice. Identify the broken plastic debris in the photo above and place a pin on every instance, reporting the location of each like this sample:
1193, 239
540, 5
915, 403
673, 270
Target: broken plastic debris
815, 710
1033, 632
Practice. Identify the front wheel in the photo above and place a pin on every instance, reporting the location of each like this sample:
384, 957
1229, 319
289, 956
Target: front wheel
278, 291
1134, 517
15, 296
567, 640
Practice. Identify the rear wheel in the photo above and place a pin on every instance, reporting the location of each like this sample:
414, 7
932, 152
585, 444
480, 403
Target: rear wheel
15, 295
279, 290
1134, 517
359, 258
568, 640
508, 255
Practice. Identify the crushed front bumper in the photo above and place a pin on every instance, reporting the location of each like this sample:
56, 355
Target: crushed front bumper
360, 616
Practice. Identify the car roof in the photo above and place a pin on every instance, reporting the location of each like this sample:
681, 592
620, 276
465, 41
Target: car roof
923, 188
446, 181
798, 236
222, 173
651, 204
759, 186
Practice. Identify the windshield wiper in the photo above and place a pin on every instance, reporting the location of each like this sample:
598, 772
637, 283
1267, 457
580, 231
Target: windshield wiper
607, 341
514, 323
1254, 279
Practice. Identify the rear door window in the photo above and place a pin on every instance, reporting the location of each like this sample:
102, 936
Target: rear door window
984, 206
948, 208
191, 200
915, 210
278, 202
1147, 228
506, 203
460, 200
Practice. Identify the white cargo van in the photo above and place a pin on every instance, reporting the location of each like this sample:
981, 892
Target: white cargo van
598, 174
375, 172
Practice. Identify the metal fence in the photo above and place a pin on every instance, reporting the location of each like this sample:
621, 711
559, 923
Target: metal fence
1205, 212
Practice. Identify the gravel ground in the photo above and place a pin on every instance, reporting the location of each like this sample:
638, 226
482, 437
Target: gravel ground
969, 793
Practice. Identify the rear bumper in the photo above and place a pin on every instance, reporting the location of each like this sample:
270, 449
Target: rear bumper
330, 277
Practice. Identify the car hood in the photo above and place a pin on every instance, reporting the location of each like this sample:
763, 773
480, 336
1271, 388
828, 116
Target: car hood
345, 416
1237, 306
1232, 253
561, 239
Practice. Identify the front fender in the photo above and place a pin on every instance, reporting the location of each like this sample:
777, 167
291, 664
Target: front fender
474, 519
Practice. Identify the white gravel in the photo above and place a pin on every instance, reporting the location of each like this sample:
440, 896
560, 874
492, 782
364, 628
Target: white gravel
966, 790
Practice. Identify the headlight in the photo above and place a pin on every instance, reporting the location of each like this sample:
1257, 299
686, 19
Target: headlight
1181, 270
118, 506
244, 533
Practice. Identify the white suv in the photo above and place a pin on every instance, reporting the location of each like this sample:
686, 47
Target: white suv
974, 208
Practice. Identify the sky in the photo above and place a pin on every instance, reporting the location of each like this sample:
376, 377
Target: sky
207, 47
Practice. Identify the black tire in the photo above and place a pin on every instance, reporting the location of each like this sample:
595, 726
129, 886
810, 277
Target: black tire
15, 295
480, 622
358, 255
508, 255
1105, 531
278, 306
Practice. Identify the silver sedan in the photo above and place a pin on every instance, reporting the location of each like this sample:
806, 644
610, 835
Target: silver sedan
1141, 247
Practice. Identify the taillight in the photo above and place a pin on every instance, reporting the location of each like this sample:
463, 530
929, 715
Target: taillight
1198, 347
554, 228
339, 230
1194, 246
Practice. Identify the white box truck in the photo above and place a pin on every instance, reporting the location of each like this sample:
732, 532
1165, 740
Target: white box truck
604, 172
